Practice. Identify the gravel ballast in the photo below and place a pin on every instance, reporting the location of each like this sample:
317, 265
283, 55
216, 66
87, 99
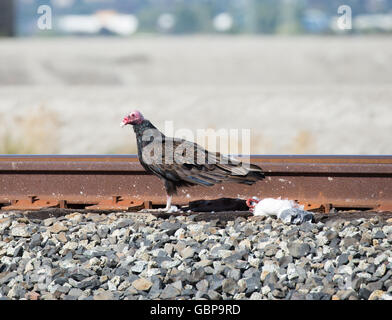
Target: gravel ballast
141, 256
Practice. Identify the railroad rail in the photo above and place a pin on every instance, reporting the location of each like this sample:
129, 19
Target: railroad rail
119, 182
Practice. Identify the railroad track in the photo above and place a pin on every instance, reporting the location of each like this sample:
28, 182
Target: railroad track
120, 183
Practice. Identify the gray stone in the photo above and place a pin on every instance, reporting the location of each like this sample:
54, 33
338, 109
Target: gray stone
18, 251
271, 280
292, 271
278, 293
170, 228
298, 250
79, 276
187, 252
215, 282
371, 268
379, 235
356, 283
241, 264
349, 241
373, 286
297, 296
20, 230
318, 296
4, 224
345, 269
103, 295
334, 244
256, 296
139, 266
202, 285
235, 274
89, 283
366, 239
121, 271
35, 240
330, 234
103, 231
63, 289
16, 292
75, 292
270, 250
49, 221
170, 292
142, 284
388, 284
123, 223
380, 271
196, 275
343, 259
5, 277
170, 264
250, 273
301, 272
253, 284
94, 253
229, 286
213, 295
284, 261
364, 293
380, 259
345, 294
57, 227
60, 280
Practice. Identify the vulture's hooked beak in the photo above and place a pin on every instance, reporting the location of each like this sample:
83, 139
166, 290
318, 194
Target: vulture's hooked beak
125, 121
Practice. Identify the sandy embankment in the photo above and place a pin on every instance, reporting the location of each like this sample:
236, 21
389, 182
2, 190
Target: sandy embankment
308, 95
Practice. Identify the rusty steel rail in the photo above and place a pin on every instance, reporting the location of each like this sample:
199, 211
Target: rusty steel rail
119, 182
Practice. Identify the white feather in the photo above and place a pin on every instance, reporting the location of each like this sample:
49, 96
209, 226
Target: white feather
273, 207
172, 209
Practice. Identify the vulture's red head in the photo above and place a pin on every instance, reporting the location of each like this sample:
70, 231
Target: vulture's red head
135, 117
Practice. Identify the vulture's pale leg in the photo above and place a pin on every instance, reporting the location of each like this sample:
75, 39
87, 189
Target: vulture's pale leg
168, 204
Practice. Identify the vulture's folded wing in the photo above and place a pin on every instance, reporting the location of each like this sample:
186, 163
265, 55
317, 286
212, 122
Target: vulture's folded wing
185, 162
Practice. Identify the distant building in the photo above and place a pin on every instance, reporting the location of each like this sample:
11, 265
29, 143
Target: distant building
102, 22
373, 22
7, 18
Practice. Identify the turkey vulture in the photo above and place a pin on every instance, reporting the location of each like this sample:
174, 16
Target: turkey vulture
178, 162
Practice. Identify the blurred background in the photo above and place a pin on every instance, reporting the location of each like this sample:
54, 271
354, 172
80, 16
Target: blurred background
70, 70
